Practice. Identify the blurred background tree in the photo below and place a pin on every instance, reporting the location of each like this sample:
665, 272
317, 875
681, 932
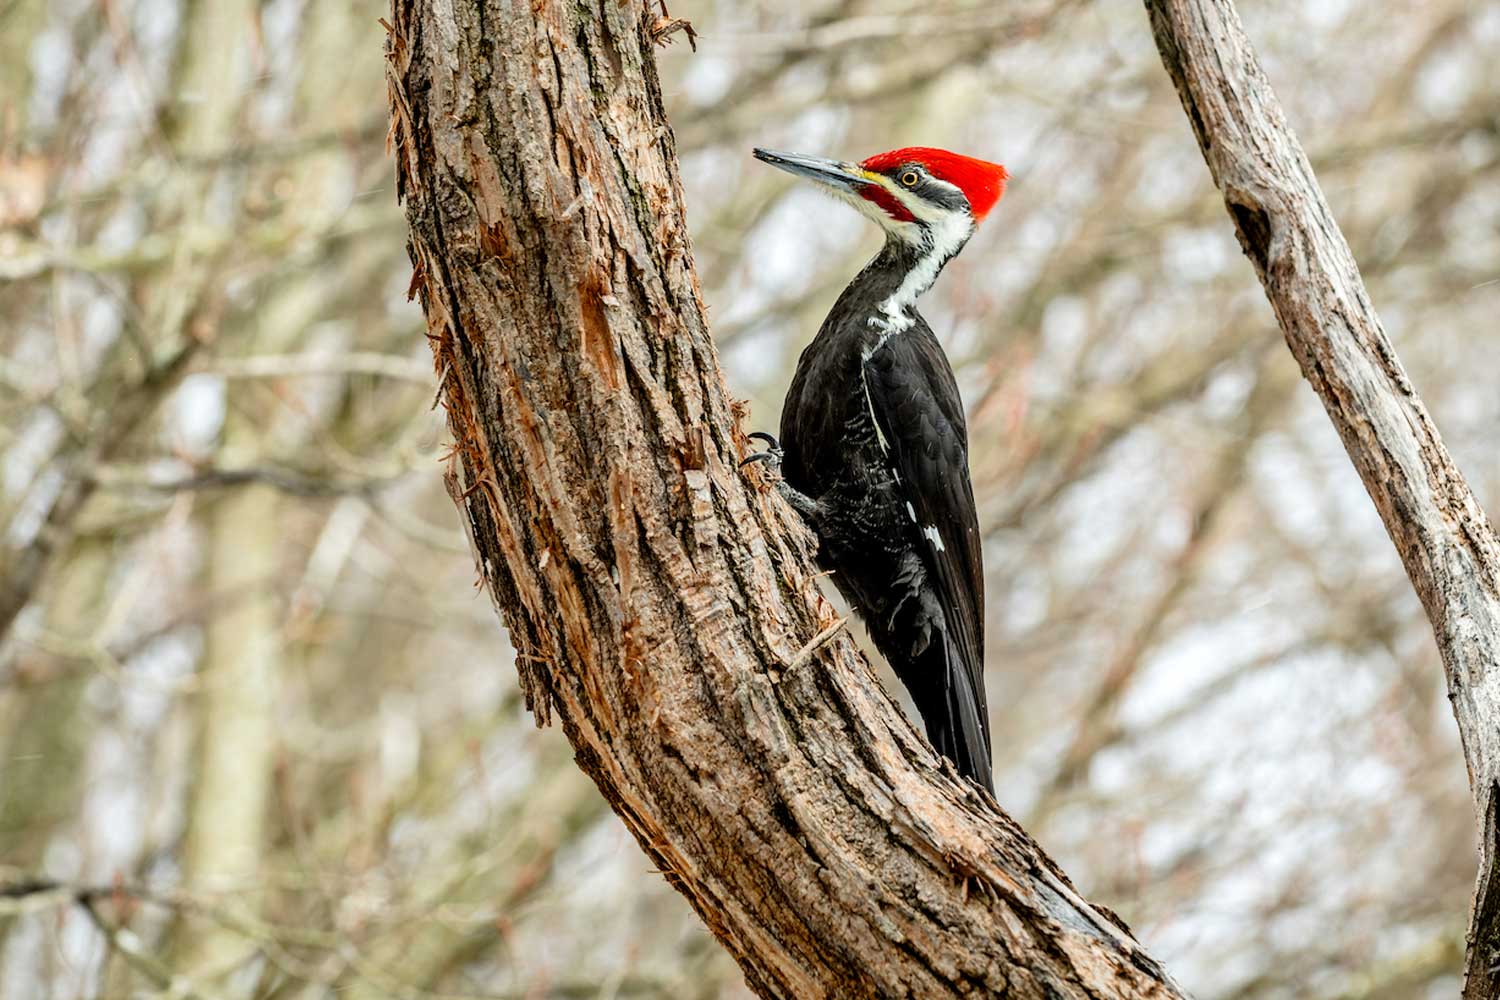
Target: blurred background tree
244, 673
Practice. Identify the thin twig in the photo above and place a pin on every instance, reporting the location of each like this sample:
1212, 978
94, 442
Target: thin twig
820, 640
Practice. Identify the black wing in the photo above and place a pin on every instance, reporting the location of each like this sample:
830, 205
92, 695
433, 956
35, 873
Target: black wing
914, 398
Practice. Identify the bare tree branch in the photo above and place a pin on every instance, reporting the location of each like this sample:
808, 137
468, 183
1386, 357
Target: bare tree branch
292, 482
24, 566
309, 365
1287, 230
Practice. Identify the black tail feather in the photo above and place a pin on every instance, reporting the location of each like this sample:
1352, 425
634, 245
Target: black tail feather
945, 696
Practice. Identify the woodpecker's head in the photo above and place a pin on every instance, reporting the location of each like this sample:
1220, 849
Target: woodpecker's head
927, 198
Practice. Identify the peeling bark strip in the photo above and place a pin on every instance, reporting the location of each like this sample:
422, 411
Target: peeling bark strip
656, 603
1445, 541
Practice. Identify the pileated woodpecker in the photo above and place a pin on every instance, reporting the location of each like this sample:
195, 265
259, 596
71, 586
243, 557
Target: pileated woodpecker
874, 453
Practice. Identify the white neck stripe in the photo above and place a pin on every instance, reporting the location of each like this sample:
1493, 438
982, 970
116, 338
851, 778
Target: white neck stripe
945, 237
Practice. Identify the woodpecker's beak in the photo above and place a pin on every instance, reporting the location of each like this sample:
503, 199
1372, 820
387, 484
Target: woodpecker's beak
834, 173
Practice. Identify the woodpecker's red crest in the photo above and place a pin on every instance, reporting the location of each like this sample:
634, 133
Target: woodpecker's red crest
982, 182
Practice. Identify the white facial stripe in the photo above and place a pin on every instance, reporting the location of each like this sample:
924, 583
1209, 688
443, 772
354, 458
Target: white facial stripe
923, 210
916, 206
921, 207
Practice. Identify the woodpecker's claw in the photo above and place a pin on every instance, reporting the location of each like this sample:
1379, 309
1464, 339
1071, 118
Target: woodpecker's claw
771, 456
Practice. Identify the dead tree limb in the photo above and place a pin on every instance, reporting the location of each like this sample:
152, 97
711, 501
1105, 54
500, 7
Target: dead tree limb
1444, 539
657, 602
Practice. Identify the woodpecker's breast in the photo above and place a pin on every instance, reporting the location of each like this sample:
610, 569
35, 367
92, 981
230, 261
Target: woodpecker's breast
828, 431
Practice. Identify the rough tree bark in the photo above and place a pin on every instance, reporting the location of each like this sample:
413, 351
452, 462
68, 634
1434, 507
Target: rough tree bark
1446, 543
661, 607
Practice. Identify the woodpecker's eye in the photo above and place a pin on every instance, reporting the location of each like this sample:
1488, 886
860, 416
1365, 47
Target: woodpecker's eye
910, 178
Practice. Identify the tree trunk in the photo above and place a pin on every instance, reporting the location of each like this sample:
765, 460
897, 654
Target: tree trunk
1445, 541
660, 606
236, 740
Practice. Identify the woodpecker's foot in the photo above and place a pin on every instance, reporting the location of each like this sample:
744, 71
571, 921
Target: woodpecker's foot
771, 459
771, 456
